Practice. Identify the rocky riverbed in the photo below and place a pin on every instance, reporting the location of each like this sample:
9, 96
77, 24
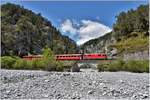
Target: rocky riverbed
21, 84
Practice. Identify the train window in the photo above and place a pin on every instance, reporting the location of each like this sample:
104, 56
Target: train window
99, 55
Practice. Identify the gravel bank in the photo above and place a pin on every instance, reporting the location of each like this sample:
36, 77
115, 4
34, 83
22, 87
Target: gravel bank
67, 85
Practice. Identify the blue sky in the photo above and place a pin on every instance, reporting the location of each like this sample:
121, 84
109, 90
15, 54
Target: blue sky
81, 20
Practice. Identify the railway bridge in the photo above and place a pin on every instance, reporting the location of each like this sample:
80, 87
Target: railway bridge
81, 61
89, 65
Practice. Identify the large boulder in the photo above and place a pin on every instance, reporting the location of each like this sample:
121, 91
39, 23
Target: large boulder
75, 68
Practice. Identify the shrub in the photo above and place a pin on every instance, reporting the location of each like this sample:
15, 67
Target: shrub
145, 64
50, 62
102, 67
138, 66
24, 64
50, 66
29, 65
111, 66
20, 64
120, 65
38, 64
59, 66
8, 61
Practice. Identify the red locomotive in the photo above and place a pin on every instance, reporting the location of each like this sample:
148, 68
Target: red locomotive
96, 56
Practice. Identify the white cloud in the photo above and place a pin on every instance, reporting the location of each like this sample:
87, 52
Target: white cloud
67, 26
88, 30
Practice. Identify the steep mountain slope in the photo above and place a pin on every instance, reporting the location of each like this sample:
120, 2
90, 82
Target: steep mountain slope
129, 35
99, 44
24, 32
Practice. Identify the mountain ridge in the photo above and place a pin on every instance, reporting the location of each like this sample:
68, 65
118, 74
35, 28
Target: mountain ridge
25, 32
129, 34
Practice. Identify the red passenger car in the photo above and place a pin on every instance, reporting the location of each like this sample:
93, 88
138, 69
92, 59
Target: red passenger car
68, 57
32, 57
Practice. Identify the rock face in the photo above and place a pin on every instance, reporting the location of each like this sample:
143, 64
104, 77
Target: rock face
143, 55
68, 85
99, 45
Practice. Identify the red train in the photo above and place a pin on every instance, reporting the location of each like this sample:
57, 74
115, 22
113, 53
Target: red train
32, 57
96, 56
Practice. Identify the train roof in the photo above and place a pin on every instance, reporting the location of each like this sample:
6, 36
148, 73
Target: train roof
93, 53
33, 56
67, 54
79, 54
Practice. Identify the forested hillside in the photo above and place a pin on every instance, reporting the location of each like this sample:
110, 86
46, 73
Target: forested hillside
24, 32
132, 21
130, 33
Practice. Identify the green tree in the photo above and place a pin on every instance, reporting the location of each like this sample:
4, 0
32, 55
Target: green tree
24, 32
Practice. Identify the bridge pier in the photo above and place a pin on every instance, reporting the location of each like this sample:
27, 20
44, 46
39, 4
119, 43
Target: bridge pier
84, 64
81, 65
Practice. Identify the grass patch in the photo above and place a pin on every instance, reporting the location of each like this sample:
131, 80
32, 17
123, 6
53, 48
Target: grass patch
137, 66
134, 43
